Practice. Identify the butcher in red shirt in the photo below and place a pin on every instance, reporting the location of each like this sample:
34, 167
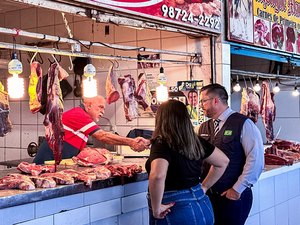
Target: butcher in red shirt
79, 123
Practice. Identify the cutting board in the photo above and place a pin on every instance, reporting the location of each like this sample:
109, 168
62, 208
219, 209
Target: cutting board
68, 162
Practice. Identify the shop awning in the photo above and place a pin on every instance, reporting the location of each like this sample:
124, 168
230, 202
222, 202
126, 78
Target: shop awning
246, 50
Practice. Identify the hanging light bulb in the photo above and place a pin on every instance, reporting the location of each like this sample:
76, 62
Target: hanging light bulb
237, 87
295, 92
257, 87
89, 84
276, 89
15, 84
162, 93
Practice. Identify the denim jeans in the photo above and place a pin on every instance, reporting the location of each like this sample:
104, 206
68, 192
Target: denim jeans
192, 207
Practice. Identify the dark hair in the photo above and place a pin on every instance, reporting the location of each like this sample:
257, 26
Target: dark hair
216, 90
192, 91
173, 125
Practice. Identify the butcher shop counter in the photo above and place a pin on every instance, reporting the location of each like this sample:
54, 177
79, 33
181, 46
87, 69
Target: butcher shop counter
119, 200
276, 197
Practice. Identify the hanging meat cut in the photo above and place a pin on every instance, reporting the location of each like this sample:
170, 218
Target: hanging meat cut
142, 94
54, 109
112, 95
244, 102
5, 123
35, 87
253, 105
127, 84
93, 157
250, 105
267, 111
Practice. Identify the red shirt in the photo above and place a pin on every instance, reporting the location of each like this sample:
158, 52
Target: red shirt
78, 125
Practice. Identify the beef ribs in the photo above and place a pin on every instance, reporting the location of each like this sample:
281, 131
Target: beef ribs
101, 172
43, 182
16, 181
35, 170
60, 178
124, 170
87, 178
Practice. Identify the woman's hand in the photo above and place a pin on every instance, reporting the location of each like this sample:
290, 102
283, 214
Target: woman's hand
140, 144
163, 210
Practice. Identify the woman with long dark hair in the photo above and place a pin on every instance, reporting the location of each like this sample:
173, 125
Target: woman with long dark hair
176, 195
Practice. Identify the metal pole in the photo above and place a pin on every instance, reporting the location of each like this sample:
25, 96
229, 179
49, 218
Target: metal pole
263, 75
89, 43
213, 59
82, 54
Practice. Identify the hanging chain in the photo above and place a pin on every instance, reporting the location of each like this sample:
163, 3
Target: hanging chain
67, 25
73, 47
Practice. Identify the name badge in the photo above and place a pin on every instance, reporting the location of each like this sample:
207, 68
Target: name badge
227, 132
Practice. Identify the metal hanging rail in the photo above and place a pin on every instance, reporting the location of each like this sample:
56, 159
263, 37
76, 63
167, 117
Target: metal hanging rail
89, 43
55, 51
263, 75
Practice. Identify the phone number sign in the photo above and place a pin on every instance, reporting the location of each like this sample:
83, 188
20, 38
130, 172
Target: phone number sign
196, 14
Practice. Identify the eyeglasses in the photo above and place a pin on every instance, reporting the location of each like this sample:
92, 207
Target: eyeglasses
205, 100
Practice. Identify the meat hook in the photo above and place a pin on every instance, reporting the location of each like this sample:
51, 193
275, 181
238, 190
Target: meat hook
55, 59
31, 60
71, 63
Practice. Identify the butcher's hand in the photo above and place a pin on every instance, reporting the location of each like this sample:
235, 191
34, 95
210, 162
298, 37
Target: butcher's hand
163, 210
140, 144
231, 194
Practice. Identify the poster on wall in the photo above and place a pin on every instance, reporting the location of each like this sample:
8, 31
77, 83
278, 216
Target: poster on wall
146, 85
191, 93
270, 24
240, 17
196, 14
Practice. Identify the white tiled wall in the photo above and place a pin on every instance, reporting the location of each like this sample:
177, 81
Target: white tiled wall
28, 126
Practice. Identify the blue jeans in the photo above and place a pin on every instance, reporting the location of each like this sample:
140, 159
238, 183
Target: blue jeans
192, 207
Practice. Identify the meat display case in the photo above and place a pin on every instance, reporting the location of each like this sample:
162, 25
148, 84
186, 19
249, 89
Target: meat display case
107, 200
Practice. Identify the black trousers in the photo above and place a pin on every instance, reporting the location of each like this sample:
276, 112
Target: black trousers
230, 212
